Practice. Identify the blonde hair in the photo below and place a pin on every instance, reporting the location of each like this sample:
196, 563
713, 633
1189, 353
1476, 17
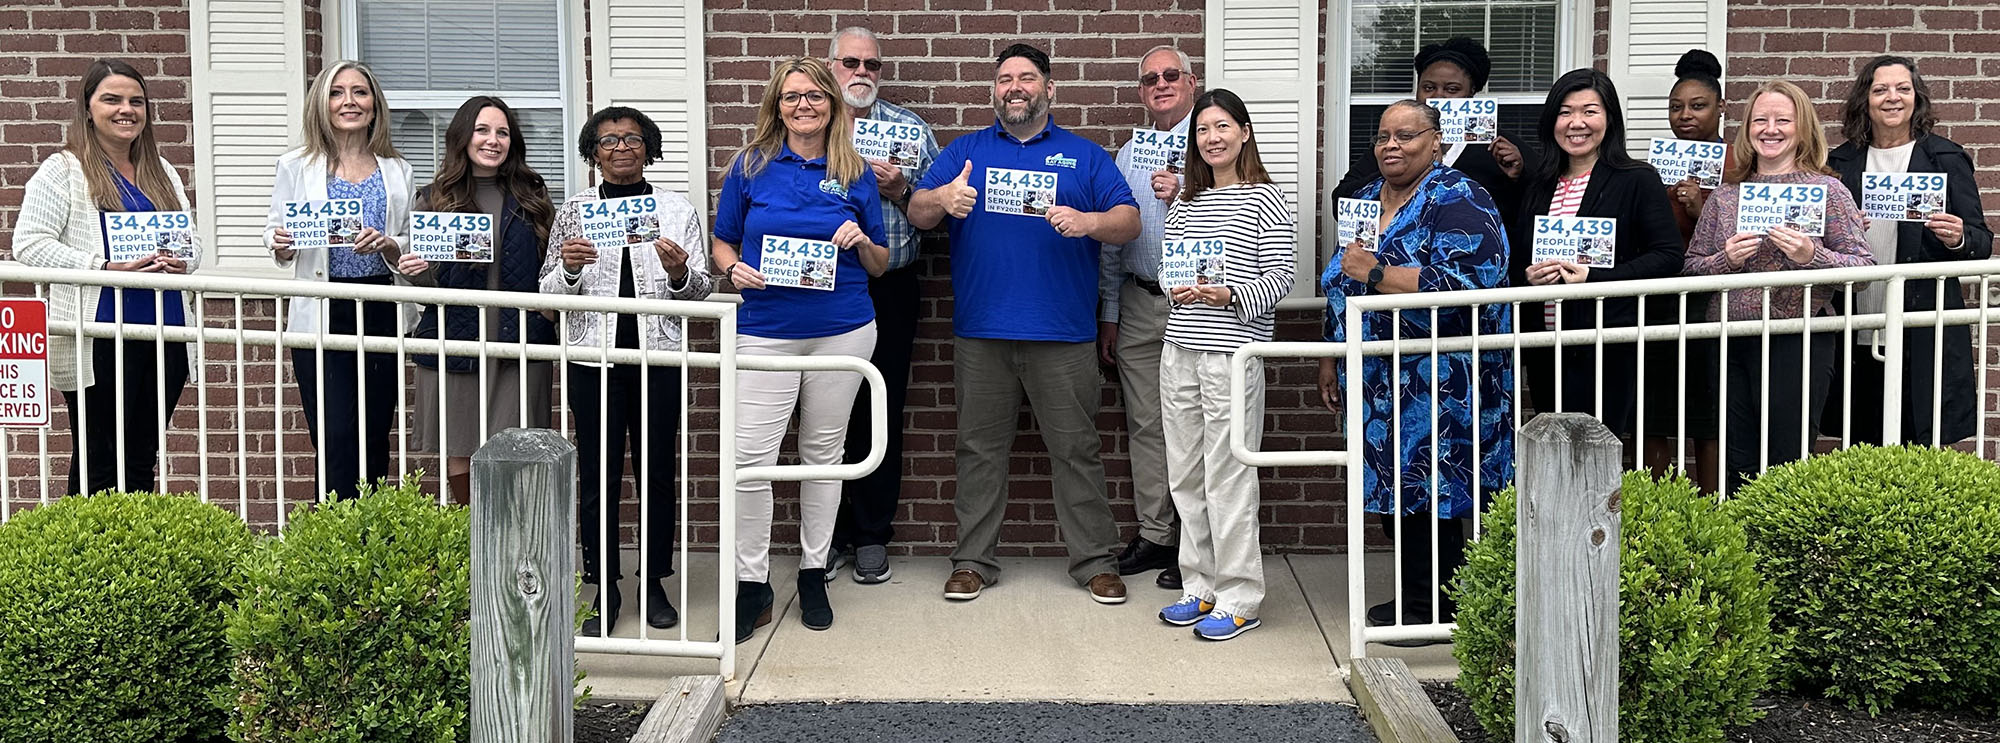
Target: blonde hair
81, 141
319, 141
843, 164
1809, 156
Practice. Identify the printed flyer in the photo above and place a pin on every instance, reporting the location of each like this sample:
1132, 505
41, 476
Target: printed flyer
798, 262
1903, 197
316, 225
612, 224
1680, 159
1800, 206
1025, 192
1584, 241
901, 145
1191, 262
447, 236
129, 236
1360, 219
1468, 120
1154, 150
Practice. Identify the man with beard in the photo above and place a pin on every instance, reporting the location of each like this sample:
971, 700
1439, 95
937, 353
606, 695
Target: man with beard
1132, 319
1025, 295
868, 505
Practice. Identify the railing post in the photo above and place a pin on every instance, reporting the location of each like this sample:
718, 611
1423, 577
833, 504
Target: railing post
523, 588
1566, 582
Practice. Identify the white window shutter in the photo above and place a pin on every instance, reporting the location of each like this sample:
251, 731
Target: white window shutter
248, 65
1267, 52
647, 54
1650, 36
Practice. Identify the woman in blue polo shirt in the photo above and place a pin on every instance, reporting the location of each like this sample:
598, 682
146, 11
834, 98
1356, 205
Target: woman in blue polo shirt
798, 231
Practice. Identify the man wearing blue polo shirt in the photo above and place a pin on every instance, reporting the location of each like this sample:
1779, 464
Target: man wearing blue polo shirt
1028, 205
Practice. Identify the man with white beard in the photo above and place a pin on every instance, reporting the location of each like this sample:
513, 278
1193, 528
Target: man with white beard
868, 505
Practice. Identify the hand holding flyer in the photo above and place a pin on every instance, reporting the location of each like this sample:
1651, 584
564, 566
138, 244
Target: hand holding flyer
612, 224
1468, 120
129, 236
318, 224
1800, 206
1585, 241
1024, 192
798, 262
1191, 262
1154, 150
1680, 159
446, 236
901, 145
1902, 197
1360, 220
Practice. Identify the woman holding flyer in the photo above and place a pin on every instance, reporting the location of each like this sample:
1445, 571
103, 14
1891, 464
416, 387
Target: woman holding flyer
1585, 172
484, 170
1779, 145
1229, 197
109, 166
1888, 128
1440, 232
798, 201
661, 228
346, 157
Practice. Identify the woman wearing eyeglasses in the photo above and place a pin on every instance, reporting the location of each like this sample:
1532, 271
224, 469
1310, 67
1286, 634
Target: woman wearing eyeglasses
606, 398
797, 201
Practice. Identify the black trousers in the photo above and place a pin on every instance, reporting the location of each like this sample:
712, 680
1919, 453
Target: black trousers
1419, 593
98, 430
603, 429
1772, 401
352, 433
868, 505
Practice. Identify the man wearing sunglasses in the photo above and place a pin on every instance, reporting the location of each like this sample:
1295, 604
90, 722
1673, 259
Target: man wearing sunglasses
1132, 322
868, 505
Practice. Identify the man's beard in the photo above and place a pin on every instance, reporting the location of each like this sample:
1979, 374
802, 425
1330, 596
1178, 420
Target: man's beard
1037, 106
858, 101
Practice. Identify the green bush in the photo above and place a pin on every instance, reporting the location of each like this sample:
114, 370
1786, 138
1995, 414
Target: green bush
356, 625
1887, 565
1695, 643
111, 613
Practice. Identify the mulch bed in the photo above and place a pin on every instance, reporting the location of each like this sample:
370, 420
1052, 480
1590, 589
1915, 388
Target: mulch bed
609, 722
1788, 720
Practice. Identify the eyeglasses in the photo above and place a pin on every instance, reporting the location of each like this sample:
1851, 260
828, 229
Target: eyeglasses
815, 97
1401, 137
1171, 76
873, 65
609, 142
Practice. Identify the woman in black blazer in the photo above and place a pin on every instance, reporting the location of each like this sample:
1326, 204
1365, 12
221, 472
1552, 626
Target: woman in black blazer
1888, 128
1582, 138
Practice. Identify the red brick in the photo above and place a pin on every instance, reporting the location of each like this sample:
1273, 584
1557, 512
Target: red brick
125, 19
93, 44
1804, 18
1920, 42
1857, 42
926, 23
1979, 42
1794, 42
740, 22
157, 43
59, 20
1951, 20
989, 23
1895, 18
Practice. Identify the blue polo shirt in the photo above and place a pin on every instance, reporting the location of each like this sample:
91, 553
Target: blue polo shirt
792, 197
1013, 276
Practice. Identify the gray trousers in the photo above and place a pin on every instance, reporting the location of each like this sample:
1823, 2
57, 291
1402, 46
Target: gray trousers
1061, 383
1142, 331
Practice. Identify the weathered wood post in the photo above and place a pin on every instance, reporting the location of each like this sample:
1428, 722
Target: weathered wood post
523, 588
1566, 582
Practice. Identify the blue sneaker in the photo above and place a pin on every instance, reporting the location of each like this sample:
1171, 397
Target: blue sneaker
1186, 611
1222, 625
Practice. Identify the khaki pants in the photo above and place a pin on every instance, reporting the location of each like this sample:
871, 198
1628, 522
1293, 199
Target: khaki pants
1221, 558
1142, 326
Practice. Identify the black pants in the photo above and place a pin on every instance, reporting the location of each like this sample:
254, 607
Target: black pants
1794, 383
1419, 593
1582, 382
353, 434
600, 461
98, 430
868, 505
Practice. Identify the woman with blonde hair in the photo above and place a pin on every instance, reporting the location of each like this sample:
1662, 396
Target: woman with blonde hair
796, 194
1778, 143
109, 163
346, 155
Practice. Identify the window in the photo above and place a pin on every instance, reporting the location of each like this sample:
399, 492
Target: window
1524, 37
430, 55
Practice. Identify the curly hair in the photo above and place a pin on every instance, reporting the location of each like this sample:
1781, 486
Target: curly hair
586, 141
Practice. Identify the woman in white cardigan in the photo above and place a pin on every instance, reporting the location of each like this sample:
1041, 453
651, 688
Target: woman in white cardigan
349, 404
109, 163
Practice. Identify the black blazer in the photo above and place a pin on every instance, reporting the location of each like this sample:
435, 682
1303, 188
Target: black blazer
1476, 162
1649, 244
1916, 244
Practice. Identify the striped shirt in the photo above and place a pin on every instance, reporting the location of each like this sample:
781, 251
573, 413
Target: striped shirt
1260, 235
1568, 198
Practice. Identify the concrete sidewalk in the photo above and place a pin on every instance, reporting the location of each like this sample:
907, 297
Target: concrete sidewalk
1033, 636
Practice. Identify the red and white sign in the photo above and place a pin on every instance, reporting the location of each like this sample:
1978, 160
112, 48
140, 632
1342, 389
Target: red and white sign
24, 362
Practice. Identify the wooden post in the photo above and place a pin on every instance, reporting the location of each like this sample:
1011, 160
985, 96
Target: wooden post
1566, 582
523, 588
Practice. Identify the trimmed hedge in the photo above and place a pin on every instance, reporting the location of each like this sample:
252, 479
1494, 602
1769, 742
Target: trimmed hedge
1693, 625
1888, 564
111, 619
356, 625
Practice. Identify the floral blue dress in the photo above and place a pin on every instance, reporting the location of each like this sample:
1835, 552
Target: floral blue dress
1452, 233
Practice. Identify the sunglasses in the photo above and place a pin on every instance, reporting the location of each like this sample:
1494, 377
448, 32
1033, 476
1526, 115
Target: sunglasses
873, 65
1171, 76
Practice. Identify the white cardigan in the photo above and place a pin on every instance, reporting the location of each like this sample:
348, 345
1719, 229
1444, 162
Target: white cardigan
304, 179
58, 228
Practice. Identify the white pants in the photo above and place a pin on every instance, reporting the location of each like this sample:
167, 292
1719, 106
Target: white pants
764, 403
1221, 557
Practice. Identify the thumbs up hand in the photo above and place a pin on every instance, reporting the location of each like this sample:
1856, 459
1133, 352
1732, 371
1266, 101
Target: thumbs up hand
959, 196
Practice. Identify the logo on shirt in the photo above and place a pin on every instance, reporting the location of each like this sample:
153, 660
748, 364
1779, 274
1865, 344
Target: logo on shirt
833, 187
1058, 161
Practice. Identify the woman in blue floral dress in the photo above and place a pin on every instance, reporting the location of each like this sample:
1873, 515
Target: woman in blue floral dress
1439, 232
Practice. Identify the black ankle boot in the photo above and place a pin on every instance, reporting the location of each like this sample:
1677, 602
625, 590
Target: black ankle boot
753, 608
814, 611
607, 604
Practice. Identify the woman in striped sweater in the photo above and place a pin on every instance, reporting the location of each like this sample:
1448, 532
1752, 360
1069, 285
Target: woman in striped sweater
1229, 198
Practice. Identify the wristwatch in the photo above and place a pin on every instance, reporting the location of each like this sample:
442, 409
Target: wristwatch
1374, 276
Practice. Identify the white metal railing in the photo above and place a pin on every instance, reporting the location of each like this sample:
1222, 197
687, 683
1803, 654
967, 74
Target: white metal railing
235, 436
1889, 348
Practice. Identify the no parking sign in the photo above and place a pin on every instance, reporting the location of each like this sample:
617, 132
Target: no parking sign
24, 362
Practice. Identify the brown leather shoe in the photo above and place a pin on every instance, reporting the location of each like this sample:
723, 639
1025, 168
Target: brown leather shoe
1107, 588
964, 585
